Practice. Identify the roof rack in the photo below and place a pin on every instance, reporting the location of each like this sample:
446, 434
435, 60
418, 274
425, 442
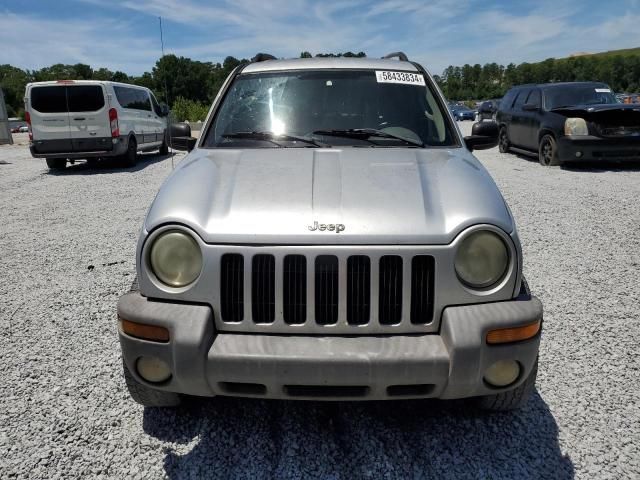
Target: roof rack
261, 57
399, 55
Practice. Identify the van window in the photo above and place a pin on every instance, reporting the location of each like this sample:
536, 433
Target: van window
156, 106
85, 98
134, 98
52, 99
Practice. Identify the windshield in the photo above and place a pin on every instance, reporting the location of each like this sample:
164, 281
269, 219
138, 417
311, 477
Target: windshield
578, 95
329, 107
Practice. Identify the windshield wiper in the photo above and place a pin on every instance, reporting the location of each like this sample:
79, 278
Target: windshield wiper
365, 134
272, 137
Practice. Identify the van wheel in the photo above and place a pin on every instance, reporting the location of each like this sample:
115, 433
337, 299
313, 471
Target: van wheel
148, 397
131, 156
56, 163
503, 141
548, 152
512, 399
164, 148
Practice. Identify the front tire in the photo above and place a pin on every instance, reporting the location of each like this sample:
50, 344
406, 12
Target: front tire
503, 141
56, 163
548, 152
148, 397
512, 399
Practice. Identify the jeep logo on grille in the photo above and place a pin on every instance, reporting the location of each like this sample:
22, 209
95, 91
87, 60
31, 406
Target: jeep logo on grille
329, 227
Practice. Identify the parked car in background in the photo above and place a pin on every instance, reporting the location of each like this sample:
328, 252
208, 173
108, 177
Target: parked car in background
488, 109
564, 122
462, 112
23, 129
85, 119
281, 260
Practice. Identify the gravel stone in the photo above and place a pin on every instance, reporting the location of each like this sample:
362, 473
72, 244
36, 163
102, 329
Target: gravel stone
68, 243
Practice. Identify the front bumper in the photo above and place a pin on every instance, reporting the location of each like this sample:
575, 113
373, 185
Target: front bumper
445, 365
591, 148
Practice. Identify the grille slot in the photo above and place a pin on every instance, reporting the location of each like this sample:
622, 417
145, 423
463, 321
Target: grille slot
358, 289
326, 294
263, 288
294, 308
328, 391
422, 281
390, 293
232, 287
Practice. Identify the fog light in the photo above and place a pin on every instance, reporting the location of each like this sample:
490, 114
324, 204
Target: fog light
502, 373
578, 154
153, 370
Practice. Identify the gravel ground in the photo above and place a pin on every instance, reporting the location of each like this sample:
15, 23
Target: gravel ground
67, 243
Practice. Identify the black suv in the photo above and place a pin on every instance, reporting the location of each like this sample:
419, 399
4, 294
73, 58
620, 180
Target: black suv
569, 121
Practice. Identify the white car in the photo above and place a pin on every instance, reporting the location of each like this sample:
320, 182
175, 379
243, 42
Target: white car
84, 119
23, 129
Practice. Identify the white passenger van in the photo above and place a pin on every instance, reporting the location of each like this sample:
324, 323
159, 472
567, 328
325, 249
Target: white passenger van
88, 119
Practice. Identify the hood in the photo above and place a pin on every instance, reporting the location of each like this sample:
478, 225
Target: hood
329, 196
611, 112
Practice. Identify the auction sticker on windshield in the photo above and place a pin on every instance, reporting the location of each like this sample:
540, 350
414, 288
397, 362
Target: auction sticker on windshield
406, 78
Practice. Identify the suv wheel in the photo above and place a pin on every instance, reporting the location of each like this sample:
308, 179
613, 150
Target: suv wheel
56, 163
548, 152
511, 399
503, 141
131, 156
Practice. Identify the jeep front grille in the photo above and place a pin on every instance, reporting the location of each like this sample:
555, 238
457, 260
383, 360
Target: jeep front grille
232, 287
358, 289
263, 284
325, 293
326, 289
390, 303
294, 289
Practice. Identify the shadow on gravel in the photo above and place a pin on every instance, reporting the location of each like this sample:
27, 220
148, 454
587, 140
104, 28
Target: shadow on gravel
242, 438
588, 167
109, 166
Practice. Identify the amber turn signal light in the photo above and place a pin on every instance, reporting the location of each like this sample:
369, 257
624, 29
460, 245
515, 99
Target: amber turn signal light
514, 334
145, 332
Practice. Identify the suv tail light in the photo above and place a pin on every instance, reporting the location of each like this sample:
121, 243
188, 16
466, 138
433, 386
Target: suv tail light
27, 118
113, 123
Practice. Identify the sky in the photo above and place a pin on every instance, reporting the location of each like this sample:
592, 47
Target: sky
124, 34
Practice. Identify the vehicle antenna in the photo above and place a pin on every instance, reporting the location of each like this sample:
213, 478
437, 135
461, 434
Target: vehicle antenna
166, 91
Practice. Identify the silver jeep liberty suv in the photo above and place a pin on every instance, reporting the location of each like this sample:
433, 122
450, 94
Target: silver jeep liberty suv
330, 236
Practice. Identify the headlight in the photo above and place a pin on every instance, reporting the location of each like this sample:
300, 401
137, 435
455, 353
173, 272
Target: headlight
175, 258
575, 126
482, 259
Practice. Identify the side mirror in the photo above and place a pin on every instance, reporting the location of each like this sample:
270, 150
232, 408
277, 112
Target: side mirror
484, 135
530, 107
164, 110
180, 136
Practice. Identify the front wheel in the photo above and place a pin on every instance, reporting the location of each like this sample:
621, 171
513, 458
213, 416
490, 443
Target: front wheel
548, 152
56, 163
503, 141
511, 399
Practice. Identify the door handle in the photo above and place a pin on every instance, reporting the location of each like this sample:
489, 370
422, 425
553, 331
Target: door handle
80, 118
